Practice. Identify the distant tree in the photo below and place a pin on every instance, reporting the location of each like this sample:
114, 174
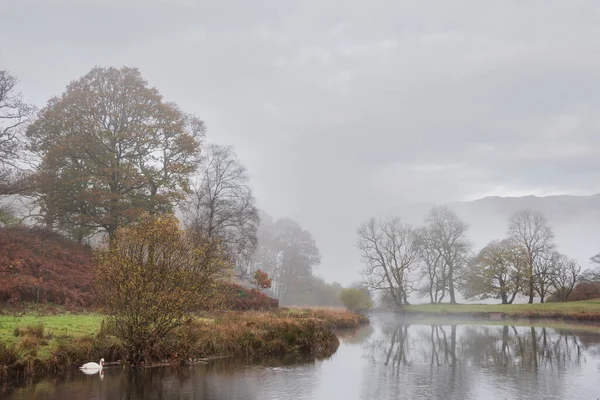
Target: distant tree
111, 149
261, 280
389, 252
150, 281
446, 237
596, 258
564, 275
221, 205
356, 299
432, 268
14, 115
530, 230
288, 254
496, 272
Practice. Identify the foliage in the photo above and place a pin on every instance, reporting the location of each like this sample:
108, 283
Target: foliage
356, 299
236, 297
40, 266
585, 290
151, 279
111, 148
496, 272
261, 280
221, 206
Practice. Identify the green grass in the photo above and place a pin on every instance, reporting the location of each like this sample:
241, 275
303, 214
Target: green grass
55, 326
569, 309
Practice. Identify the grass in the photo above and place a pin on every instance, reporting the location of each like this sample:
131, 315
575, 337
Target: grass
576, 310
41, 344
15, 328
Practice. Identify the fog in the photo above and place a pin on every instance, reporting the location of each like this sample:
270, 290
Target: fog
341, 111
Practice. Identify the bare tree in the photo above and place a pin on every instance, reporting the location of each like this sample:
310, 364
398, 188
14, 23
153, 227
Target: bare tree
14, 114
221, 205
389, 251
495, 272
531, 231
543, 271
565, 275
447, 237
432, 273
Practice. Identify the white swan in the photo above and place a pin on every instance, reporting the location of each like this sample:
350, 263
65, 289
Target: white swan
93, 365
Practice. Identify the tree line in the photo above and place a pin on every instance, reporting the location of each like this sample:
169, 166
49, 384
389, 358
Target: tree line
110, 150
437, 260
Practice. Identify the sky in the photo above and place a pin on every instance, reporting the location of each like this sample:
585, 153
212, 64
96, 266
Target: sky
343, 110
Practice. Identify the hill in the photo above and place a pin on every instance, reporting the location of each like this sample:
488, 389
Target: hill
40, 266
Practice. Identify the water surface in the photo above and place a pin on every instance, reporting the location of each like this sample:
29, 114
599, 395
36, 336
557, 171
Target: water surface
393, 358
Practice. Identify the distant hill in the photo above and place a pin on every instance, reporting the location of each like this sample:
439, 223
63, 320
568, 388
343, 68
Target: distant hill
574, 219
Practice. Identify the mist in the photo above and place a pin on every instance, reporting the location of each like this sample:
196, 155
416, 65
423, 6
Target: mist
341, 112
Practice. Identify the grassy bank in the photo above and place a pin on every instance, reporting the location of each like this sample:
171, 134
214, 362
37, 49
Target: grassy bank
41, 344
577, 310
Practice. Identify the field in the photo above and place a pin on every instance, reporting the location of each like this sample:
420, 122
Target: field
576, 310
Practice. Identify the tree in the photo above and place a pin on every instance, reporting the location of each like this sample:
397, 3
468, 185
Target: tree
596, 258
151, 279
496, 272
356, 299
261, 280
432, 271
531, 231
221, 205
111, 149
446, 238
288, 254
14, 115
565, 275
389, 252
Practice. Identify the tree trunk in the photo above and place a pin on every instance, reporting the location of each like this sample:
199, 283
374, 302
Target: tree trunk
504, 297
451, 287
531, 290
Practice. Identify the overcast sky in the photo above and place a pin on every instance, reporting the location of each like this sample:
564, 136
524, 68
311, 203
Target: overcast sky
342, 110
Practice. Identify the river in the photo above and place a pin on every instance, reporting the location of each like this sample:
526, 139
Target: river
393, 358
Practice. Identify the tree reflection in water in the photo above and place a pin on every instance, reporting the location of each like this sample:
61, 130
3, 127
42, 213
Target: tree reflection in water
438, 356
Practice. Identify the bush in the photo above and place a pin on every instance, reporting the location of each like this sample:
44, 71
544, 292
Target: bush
150, 280
36, 330
585, 291
356, 299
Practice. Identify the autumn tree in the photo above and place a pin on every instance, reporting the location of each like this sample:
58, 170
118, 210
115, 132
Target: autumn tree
221, 206
261, 280
530, 230
389, 252
14, 115
151, 279
111, 148
496, 272
356, 299
447, 238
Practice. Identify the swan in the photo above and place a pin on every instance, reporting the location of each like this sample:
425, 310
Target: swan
93, 365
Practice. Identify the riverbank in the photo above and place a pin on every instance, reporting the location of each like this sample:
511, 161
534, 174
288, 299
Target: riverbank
572, 311
33, 345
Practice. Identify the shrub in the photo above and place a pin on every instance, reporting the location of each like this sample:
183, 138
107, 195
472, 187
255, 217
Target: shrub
151, 278
36, 330
356, 299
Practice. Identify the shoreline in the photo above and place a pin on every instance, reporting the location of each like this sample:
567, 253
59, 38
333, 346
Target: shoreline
38, 350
